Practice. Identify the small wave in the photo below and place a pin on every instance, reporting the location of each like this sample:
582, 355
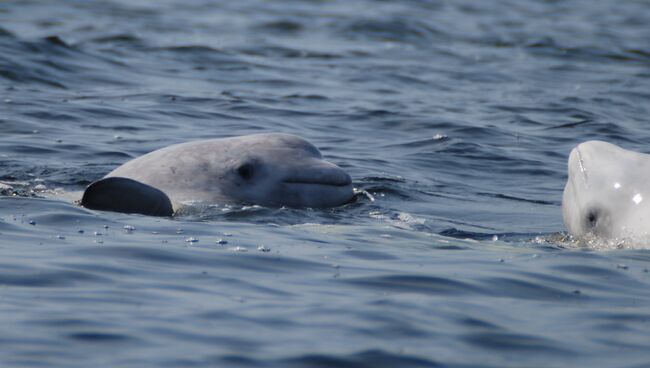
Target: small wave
281, 26
5, 33
364, 359
520, 343
550, 47
391, 30
116, 39
420, 284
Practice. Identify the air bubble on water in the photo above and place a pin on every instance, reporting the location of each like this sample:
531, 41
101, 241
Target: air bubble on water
263, 248
438, 136
221, 241
191, 240
32, 222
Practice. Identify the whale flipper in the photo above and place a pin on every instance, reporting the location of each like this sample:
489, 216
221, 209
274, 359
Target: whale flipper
126, 195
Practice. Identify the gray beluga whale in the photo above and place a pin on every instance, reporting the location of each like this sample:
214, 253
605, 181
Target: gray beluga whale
607, 193
272, 169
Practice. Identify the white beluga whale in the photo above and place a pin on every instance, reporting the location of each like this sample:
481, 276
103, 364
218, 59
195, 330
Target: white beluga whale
607, 193
271, 169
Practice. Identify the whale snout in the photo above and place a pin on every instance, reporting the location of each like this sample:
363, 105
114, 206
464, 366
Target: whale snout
317, 184
323, 173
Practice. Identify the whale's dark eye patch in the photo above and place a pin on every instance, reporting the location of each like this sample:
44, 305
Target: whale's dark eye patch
245, 171
592, 216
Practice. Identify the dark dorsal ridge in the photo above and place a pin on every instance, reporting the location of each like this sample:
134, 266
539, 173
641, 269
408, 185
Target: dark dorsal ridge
128, 196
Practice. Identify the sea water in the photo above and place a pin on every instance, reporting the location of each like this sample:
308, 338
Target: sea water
453, 118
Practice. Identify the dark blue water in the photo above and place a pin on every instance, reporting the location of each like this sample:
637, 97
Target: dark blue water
455, 116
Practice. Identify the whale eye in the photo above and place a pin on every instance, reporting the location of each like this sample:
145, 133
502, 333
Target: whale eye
245, 171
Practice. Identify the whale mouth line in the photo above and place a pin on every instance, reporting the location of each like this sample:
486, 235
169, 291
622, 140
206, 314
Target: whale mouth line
316, 182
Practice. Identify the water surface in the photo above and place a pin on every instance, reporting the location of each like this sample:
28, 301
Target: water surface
455, 116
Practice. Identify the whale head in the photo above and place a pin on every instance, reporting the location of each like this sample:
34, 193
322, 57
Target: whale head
262, 169
607, 193
282, 170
